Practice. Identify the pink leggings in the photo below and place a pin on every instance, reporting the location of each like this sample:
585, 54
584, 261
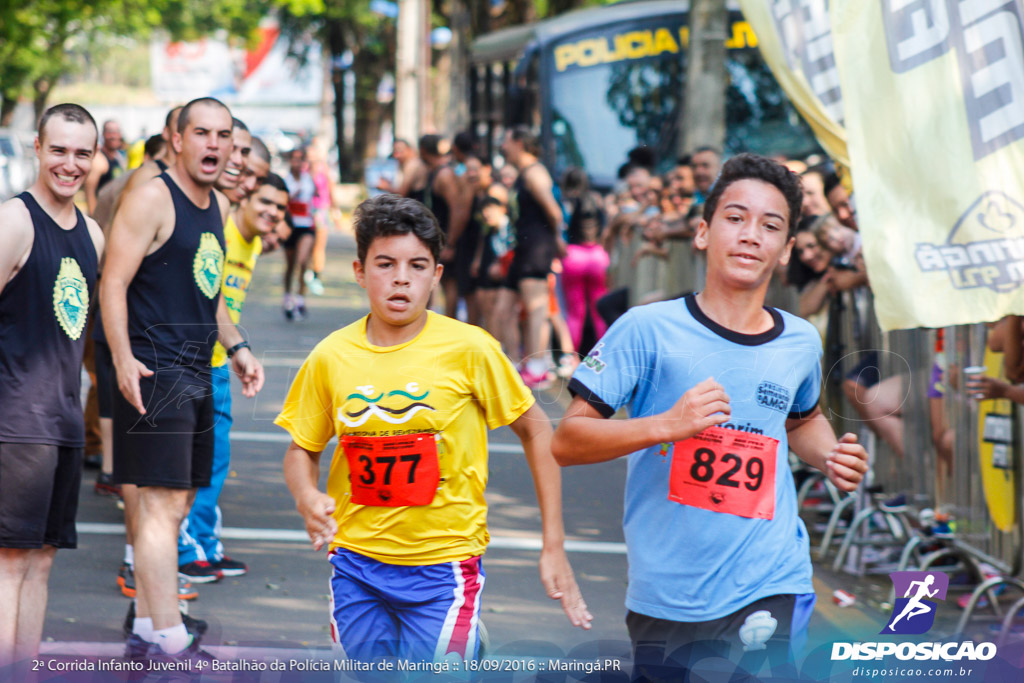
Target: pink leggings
583, 282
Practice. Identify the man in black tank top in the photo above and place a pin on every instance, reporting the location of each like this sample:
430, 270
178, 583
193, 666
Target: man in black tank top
537, 220
163, 311
445, 197
48, 257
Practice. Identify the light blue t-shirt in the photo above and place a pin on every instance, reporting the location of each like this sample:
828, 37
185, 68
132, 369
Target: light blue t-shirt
689, 564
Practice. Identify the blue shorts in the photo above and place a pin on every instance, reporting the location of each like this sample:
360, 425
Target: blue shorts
419, 613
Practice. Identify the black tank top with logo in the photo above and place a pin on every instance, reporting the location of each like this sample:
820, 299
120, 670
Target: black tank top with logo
44, 309
172, 301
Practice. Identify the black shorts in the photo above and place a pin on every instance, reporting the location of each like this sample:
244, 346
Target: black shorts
105, 384
664, 648
39, 495
866, 372
172, 444
296, 235
533, 262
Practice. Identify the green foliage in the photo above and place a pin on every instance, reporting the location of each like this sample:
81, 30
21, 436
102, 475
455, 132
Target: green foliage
38, 37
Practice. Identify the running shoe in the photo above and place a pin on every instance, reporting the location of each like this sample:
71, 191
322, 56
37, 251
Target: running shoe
199, 572
189, 659
300, 307
229, 567
93, 461
314, 284
135, 648
105, 485
126, 580
196, 627
197, 659
539, 381
288, 306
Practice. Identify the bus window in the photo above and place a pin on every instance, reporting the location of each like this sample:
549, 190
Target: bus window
619, 87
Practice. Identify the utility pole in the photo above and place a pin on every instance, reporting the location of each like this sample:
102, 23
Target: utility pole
410, 70
703, 116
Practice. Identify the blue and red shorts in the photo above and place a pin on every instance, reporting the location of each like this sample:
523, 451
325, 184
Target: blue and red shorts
419, 613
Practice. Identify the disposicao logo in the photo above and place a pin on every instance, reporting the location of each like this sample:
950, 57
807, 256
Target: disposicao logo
914, 613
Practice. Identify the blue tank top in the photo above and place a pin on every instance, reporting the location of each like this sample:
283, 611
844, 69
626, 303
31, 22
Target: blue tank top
172, 301
43, 315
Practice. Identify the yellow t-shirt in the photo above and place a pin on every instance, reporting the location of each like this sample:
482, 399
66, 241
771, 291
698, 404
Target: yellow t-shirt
239, 262
451, 380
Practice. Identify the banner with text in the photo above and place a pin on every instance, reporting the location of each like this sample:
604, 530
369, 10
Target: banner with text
933, 92
795, 39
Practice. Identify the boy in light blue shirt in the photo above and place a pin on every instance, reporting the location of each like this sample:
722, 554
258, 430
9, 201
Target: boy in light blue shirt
718, 389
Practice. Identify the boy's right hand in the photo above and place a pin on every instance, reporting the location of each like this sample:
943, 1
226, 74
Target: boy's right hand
317, 510
705, 405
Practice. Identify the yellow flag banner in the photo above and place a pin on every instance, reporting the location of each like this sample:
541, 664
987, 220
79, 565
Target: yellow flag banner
795, 39
933, 92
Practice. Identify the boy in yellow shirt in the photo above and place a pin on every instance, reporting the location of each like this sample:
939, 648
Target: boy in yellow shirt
410, 395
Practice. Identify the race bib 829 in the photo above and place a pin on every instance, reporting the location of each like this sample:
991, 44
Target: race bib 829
724, 470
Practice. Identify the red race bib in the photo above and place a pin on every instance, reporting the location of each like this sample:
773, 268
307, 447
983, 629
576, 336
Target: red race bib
392, 471
724, 470
298, 209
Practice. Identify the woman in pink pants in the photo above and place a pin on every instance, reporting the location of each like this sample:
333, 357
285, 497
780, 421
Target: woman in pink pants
584, 271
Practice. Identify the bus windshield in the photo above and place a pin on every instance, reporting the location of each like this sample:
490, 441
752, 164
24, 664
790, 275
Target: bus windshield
605, 101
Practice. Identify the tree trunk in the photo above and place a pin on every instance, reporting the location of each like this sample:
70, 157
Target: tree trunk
7, 108
458, 110
703, 120
40, 94
337, 45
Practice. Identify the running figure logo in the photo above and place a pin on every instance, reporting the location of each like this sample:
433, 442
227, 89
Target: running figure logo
914, 613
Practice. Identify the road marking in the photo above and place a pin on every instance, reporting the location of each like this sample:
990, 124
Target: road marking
284, 437
296, 536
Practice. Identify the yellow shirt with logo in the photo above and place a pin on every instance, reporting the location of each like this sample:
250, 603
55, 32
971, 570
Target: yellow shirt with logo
238, 266
452, 379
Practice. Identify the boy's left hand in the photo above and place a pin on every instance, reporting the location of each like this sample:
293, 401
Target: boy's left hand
560, 584
846, 464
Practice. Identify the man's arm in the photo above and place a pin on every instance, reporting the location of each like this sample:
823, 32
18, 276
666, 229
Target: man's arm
459, 202
133, 235
534, 430
301, 473
411, 176
147, 171
243, 362
16, 238
100, 165
96, 233
844, 461
584, 436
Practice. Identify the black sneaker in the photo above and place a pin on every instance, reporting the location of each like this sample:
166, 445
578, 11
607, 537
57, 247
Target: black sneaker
199, 658
135, 648
126, 580
229, 567
200, 572
93, 461
195, 627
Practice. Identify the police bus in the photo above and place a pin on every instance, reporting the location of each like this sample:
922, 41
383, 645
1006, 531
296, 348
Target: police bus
599, 81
